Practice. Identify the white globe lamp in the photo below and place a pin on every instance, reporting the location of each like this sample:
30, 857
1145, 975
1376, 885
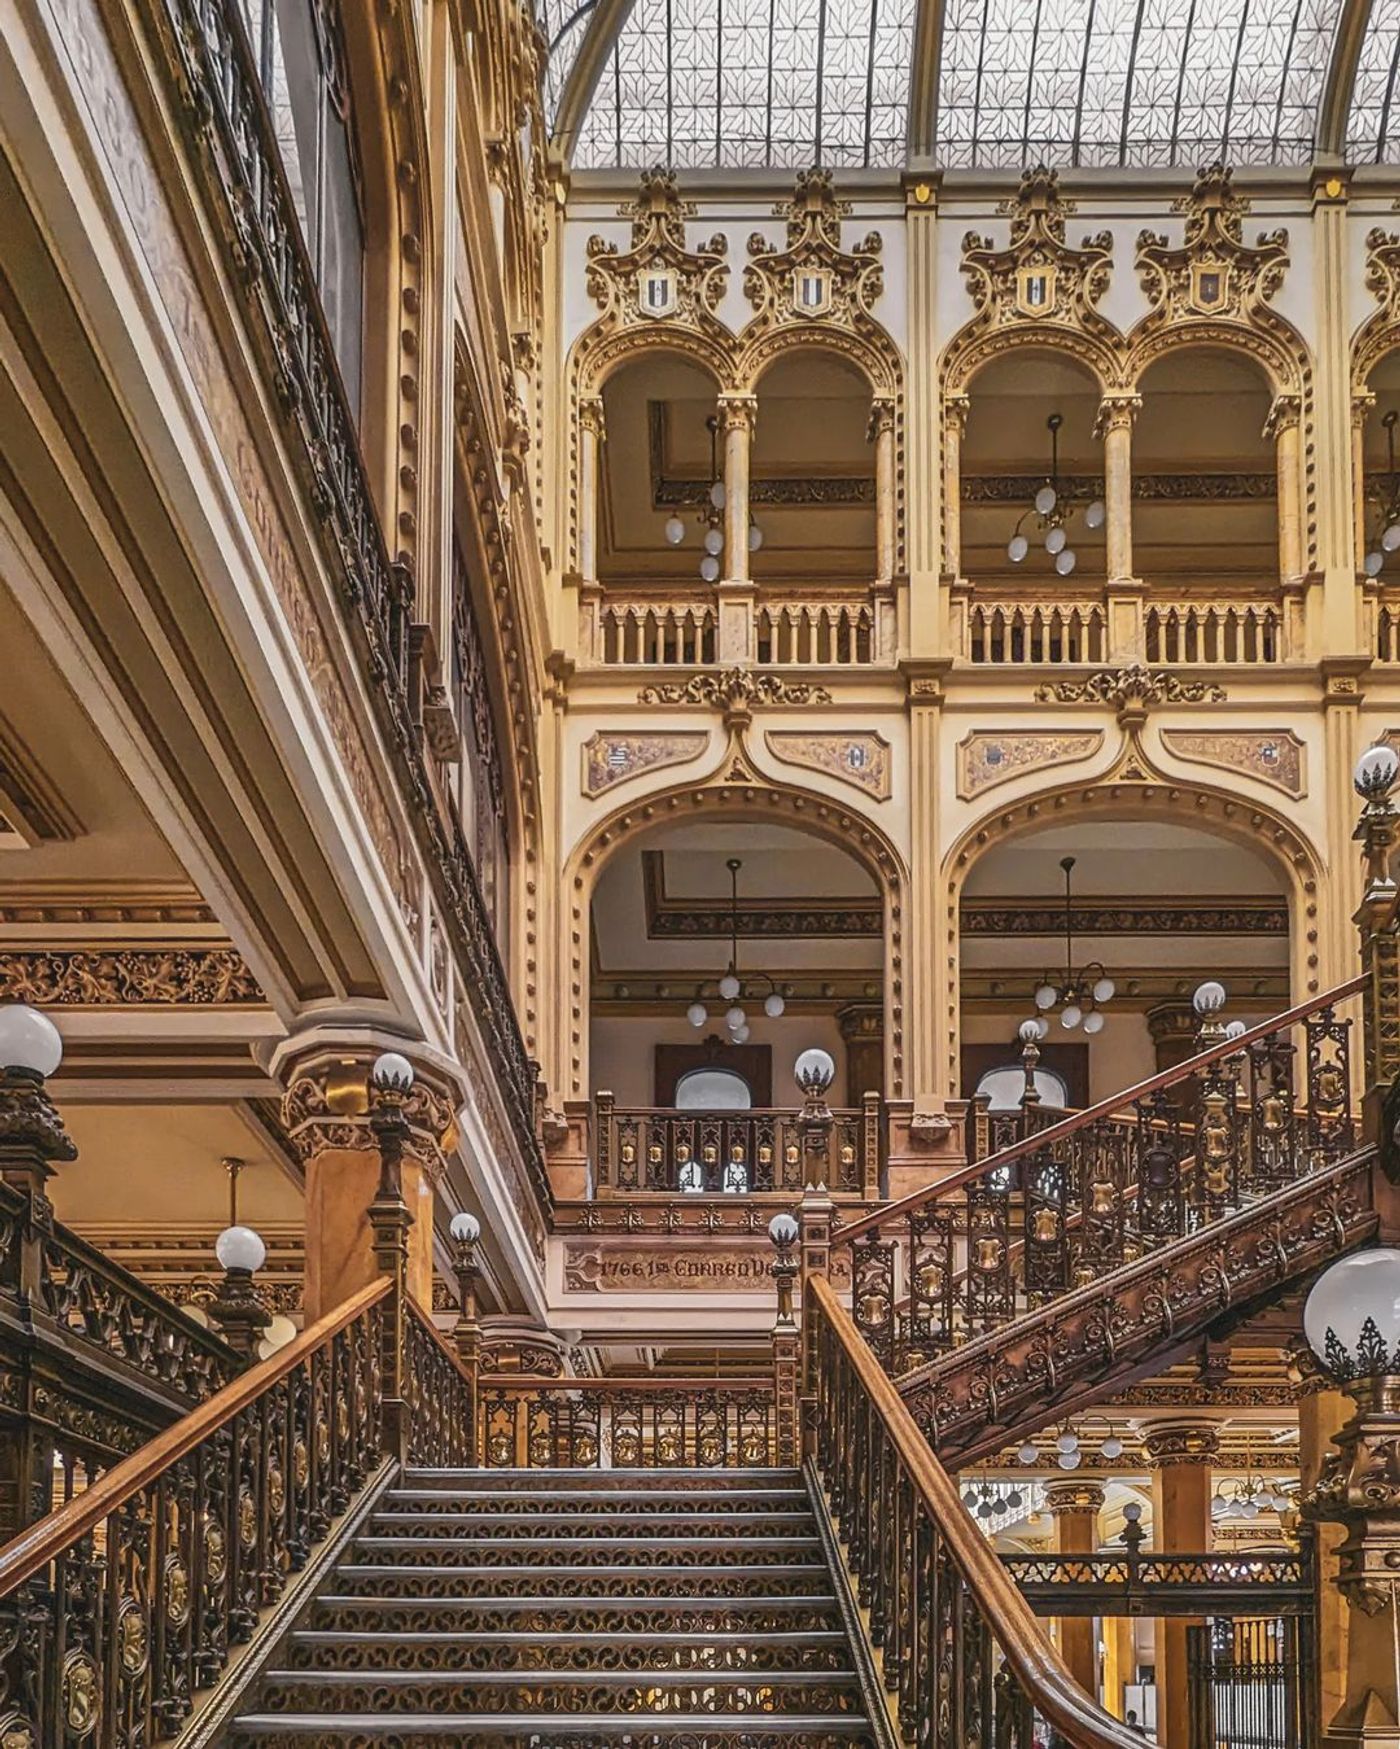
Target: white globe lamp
240, 1248
29, 1040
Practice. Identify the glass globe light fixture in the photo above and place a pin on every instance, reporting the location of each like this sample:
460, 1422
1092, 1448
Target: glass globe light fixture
755, 537
28, 1040
740, 1035
774, 1005
1235, 1029
1027, 1454
714, 541
734, 1018
465, 1228
1017, 548
1067, 1442
240, 1248
675, 530
782, 1229
392, 1072
1375, 772
1015, 1500
1093, 1023
1374, 561
1095, 514
278, 1334
1066, 561
1069, 1460
1071, 1017
1045, 996
1390, 539
697, 1014
717, 494
709, 568
1055, 539
729, 986
1104, 989
1044, 1026
814, 1071
1132, 1512
1209, 998
985, 1509
1112, 1447
1029, 1031
1351, 1318
969, 1498
1045, 499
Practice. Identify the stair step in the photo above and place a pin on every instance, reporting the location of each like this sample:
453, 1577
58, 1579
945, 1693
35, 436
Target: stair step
532, 1731
568, 1651
569, 1501
470, 1526
652, 1694
535, 1550
775, 1579
338, 1613
602, 1481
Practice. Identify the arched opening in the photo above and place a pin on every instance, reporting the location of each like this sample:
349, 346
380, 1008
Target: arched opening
812, 491
1010, 455
720, 951
1206, 485
1378, 506
1155, 907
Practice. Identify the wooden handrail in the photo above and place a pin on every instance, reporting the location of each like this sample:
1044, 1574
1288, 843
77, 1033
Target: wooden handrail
1056, 1132
611, 1387
1034, 1662
31, 1551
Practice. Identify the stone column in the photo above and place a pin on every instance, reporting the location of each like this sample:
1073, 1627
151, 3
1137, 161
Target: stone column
326, 1114
1322, 1413
886, 489
1183, 1455
590, 440
1285, 427
1338, 304
1115, 429
924, 619
737, 415
1075, 1506
955, 411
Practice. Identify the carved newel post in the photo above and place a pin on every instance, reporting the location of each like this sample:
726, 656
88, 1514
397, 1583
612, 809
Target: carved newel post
237, 1312
391, 1082
814, 1072
783, 1231
1030, 1036
1376, 832
1352, 1323
466, 1332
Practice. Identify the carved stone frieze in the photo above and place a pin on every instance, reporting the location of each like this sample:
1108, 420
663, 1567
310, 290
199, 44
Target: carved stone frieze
1378, 333
1133, 686
734, 688
861, 759
1169, 1444
174, 976
988, 757
611, 758
1063, 1498
1276, 757
1038, 289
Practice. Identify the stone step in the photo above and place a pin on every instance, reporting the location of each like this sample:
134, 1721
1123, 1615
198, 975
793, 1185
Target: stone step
709, 1526
568, 1651
527, 1731
775, 1579
651, 1696
568, 1615
583, 1551
709, 1482
517, 1502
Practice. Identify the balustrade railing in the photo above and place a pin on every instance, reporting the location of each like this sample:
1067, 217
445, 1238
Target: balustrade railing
618, 1423
1013, 633
661, 634
441, 1396
784, 629
826, 634
1132, 1583
962, 1654
1186, 633
1059, 1205
1387, 631
662, 1149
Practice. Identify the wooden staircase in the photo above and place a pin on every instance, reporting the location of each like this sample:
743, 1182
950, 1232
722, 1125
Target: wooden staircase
641, 1607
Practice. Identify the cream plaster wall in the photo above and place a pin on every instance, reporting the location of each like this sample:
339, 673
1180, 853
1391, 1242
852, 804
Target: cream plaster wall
622, 1051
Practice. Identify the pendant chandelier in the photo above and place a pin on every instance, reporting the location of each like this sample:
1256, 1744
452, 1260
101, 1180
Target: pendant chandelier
711, 517
1079, 994
1053, 507
1383, 498
732, 988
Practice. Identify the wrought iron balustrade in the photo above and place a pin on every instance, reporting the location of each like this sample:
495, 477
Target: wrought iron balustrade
617, 1423
1264, 1583
698, 1152
962, 1654
1024, 1236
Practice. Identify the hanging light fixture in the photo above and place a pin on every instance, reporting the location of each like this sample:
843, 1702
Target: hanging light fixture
1052, 506
711, 519
1081, 993
1383, 501
732, 989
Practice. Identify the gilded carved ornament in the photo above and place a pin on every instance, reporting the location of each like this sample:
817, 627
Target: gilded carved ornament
1131, 688
734, 689
860, 759
1038, 290
1276, 757
172, 976
988, 757
326, 1106
611, 758
1380, 332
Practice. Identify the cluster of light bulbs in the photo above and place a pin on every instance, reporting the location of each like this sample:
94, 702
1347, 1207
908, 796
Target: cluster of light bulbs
1388, 505
986, 1502
713, 538
1073, 1013
1250, 1499
1068, 1453
735, 1018
1054, 512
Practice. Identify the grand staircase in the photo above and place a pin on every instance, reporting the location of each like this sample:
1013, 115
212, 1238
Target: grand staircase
637, 1607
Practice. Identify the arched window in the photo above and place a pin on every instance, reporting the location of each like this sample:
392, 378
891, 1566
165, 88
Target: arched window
1004, 1087
713, 1090
302, 67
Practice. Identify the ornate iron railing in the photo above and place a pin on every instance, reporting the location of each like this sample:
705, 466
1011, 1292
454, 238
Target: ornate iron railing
441, 1397
1064, 1203
696, 1152
116, 1609
1132, 1583
962, 1653
612, 1423
213, 80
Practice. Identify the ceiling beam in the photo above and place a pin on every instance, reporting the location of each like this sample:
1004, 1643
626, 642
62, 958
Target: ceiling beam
923, 82
1334, 110
602, 33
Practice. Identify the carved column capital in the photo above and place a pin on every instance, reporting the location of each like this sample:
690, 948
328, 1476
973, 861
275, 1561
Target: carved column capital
881, 417
1286, 414
1363, 404
1171, 1444
590, 414
1073, 1495
955, 412
1117, 412
737, 412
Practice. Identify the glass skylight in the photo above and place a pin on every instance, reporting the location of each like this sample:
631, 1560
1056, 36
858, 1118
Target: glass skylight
1373, 130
